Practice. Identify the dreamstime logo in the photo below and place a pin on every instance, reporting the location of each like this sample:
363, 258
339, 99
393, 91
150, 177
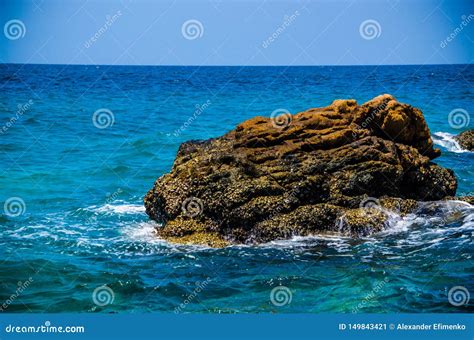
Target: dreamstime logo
192, 29
192, 207
370, 29
199, 110
371, 295
373, 212
103, 296
459, 118
281, 296
14, 206
103, 118
367, 122
454, 209
370, 203
287, 21
110, 197
465, 21
200, 286
458, 296
22, 109
290, 162
281, 118
14, 29
109, 21
22, 286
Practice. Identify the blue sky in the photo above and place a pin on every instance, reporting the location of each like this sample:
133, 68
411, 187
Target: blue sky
248, 32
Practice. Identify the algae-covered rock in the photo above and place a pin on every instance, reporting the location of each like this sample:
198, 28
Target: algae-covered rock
334, 169
466, 140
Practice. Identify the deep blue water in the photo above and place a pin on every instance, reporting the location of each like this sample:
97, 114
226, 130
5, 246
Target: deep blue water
81, 223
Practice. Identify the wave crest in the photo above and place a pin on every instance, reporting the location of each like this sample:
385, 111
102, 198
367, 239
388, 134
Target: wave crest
447, 141
125, 208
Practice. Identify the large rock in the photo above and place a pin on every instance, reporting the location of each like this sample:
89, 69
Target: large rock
466, 140
338, 169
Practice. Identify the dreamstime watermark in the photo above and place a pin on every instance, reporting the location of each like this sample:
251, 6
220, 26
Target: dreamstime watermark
14, 29
22, 286
103, 118
370, 209
465, 21
200, 286
14, 207
192, 29
370, 203
281, 118
287, 21
459, 118
374, 212
293, 196
370, 296
113, 196
109, 21
22, 109
192, 207
455, 210
110, 197
370, 29
290, 162
103, 296
197, 112
281, 296
459, 296
370, 118
46, 328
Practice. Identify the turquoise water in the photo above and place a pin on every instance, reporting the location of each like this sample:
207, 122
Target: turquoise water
73, 221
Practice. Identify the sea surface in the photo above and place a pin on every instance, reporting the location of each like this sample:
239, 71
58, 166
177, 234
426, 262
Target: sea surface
81, 145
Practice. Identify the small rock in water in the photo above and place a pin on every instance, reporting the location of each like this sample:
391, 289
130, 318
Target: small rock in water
466, 140
341, 168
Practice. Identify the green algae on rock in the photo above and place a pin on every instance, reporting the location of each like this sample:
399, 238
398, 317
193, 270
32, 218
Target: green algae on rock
337, 169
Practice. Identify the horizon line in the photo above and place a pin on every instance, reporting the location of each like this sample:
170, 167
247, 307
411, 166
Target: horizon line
217, 65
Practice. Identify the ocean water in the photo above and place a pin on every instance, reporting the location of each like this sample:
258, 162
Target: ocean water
74, 236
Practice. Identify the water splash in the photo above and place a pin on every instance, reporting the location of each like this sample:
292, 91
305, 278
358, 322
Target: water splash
447, 141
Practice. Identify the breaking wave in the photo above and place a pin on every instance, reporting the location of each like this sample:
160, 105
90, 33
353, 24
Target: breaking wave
447, 141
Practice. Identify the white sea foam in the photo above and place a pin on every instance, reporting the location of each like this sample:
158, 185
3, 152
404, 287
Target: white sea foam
141, 232
142, 237
447, 141
124, 208
430, 225
433, 217
303, 240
